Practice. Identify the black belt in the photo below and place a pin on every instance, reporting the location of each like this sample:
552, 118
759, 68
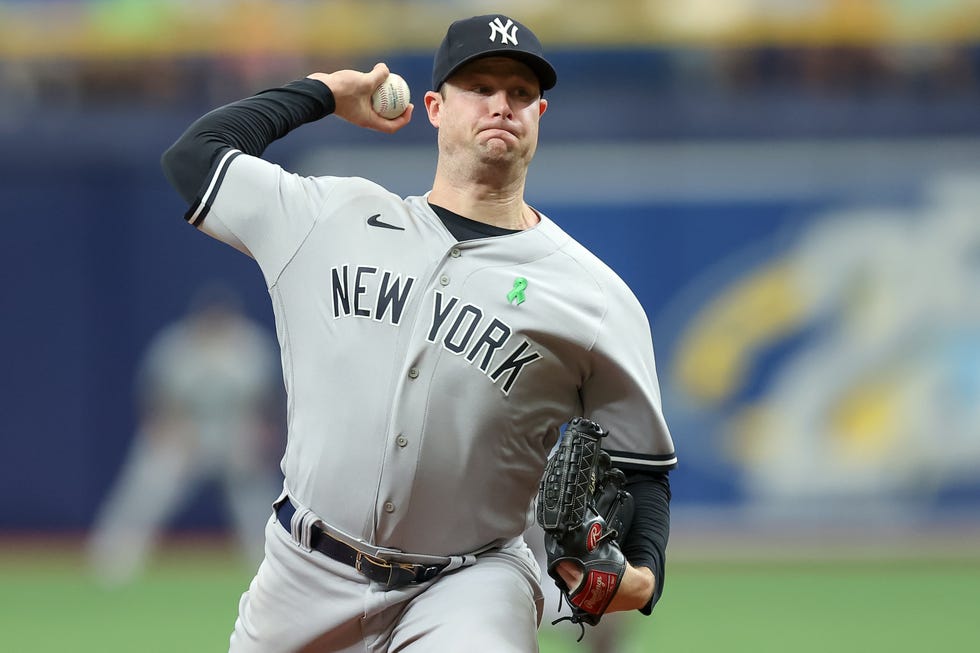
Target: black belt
389, 574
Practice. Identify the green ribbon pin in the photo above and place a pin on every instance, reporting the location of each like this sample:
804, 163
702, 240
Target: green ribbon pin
517, 292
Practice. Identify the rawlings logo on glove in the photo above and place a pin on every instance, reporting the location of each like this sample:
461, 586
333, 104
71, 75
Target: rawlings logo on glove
584, 511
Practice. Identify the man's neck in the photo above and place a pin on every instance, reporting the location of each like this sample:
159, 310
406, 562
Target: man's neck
499, 206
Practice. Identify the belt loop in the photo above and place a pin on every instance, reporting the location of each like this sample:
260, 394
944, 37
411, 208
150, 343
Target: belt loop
301, 527
456, 562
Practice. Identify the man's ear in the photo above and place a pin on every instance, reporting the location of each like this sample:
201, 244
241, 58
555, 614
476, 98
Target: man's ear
433, 107
543, 104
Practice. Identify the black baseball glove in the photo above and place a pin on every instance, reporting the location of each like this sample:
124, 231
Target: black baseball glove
585, 513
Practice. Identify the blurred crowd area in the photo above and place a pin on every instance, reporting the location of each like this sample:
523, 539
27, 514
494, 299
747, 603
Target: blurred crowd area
925, 73
199, 53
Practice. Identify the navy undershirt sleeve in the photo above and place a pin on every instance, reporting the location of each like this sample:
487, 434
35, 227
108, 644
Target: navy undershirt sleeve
248, 125
646, 542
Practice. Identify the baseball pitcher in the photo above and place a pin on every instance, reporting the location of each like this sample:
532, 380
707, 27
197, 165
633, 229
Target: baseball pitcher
433, 347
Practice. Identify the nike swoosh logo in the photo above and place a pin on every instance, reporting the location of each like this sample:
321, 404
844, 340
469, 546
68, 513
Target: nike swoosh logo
375, 222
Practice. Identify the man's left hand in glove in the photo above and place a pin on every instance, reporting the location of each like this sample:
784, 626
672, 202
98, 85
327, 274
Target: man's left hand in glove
585, 512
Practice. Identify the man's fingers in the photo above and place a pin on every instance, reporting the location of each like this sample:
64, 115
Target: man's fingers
394, 124
378, 74
571, 574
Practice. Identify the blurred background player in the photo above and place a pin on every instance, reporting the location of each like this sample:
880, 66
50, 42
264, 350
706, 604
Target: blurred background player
210, 394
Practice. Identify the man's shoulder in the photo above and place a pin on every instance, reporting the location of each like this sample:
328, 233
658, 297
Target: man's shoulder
590, 262
605, 278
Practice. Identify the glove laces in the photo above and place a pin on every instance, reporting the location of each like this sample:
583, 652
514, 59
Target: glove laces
572, 617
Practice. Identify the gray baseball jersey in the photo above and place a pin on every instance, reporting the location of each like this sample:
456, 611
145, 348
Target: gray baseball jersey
427, 378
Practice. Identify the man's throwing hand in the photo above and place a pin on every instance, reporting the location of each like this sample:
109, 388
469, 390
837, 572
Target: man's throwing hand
352, 91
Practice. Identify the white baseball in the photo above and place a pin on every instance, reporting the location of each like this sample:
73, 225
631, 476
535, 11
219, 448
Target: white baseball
391, 98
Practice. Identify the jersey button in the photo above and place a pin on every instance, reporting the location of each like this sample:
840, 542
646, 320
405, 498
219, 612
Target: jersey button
454, 252
413, 373
444, 280
389, 506
402, 441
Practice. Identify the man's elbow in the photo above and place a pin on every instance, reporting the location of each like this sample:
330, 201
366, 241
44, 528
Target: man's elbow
178, 168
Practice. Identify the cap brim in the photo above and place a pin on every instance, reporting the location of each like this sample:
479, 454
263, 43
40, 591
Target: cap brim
544, 71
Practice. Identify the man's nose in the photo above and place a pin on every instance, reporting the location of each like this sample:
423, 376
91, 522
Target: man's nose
500, 104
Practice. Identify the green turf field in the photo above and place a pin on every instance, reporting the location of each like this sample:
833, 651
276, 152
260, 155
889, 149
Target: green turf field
188, 600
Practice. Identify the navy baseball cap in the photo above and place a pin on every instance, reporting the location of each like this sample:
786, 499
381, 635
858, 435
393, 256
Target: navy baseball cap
492, 35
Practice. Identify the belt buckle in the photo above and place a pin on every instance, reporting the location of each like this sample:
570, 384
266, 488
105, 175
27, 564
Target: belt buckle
381, 571
429, 572
362, 560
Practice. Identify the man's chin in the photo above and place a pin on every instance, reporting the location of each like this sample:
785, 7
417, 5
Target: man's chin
498, 149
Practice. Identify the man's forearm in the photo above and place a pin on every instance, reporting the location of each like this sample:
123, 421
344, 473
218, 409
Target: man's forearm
646, 543
635, 590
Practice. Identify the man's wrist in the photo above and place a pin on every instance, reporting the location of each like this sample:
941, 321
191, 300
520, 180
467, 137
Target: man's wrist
314, 87
635, 590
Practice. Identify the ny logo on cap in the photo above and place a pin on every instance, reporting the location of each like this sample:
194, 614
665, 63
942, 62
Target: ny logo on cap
497, 27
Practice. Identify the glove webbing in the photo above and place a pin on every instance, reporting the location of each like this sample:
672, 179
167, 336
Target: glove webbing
567, 492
